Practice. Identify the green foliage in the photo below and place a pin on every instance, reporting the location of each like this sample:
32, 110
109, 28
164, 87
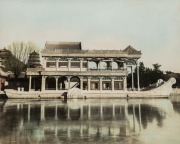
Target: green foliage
14, 65
16, 61
156, 67
147, 75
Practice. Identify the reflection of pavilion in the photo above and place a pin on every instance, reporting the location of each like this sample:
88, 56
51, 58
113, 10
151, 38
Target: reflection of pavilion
176, 103
90, 118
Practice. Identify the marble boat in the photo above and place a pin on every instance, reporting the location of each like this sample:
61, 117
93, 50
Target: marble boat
162, 91
64, 69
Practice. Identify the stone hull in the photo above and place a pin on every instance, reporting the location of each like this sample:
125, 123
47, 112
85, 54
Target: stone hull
32, 94
38, 95
162, 91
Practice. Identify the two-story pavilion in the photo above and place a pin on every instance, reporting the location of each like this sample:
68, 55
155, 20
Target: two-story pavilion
65, 64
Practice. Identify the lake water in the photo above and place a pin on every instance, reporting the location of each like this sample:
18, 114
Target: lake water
133, 121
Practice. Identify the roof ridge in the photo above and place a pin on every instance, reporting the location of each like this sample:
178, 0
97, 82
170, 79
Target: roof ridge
61, 42
62, 45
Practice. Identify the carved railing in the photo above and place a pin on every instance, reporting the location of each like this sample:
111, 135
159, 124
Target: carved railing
121, 69
35, 69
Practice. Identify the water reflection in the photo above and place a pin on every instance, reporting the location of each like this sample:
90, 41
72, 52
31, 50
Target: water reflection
83, 121
176, 103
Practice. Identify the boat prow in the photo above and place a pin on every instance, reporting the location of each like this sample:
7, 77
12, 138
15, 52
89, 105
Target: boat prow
161, 91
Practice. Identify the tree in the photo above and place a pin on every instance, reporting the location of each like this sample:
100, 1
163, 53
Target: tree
14, 65
147, 75
16, 62
156, 67
142, 75
21, 50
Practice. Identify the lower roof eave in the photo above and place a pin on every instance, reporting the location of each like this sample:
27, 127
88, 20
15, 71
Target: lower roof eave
89, 73
91, 55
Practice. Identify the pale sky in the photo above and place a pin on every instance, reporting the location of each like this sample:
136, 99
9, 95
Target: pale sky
152, 26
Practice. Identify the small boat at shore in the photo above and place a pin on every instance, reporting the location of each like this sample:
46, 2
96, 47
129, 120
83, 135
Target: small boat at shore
163, 90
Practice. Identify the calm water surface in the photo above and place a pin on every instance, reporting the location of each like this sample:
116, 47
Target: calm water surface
136, 121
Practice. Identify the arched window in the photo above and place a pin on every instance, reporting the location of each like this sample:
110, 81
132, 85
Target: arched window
103, 65
92, 65
50, 83
62, 83
114, 65
74, 82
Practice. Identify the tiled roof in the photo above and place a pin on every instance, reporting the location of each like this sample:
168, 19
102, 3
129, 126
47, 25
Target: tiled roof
63, 46
131, 50
4, 53
73, 49
34, 53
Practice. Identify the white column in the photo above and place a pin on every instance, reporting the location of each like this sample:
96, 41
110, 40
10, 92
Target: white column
81, 62
44, 63
69, 64
125, 83
111, 64
43, 83
124, 65
56, 83
112, 83
81, 83
88, 65
100, 83
69, 84
56, 65
30, 83
89, 87
138, 76
125, 78
132, 72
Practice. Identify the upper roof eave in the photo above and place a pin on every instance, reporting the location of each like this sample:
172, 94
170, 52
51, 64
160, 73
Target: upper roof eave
43, 54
